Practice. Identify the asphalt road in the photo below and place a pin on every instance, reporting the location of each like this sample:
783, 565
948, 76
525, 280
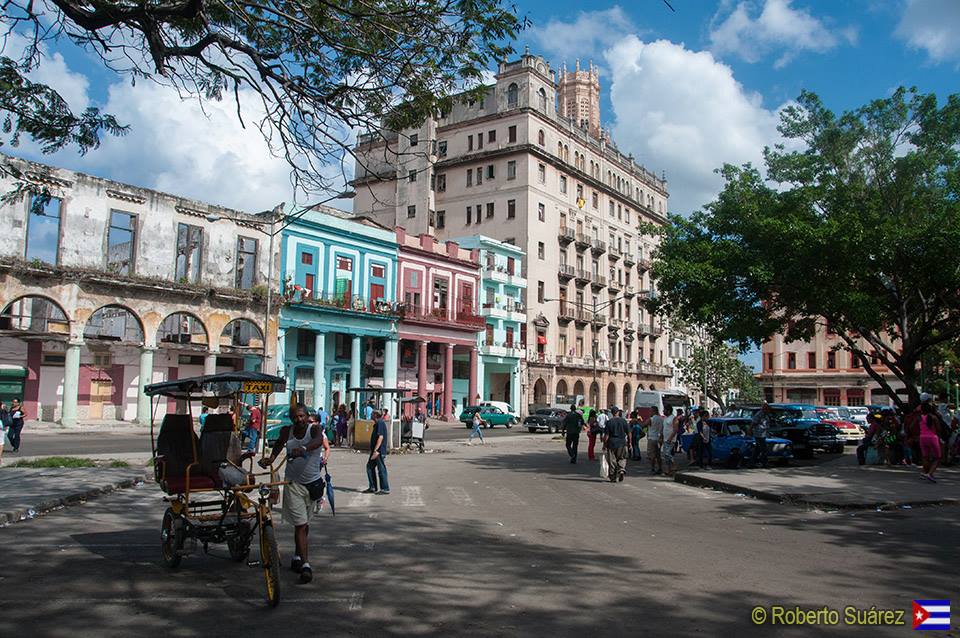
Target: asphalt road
496, 540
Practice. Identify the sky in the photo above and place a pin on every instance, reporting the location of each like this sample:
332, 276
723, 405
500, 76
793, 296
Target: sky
684, 89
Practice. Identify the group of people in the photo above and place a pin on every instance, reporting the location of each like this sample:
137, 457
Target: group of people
927, 437
11, 424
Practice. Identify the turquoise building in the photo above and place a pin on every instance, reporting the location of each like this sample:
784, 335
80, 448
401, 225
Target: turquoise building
501, 304
338, 323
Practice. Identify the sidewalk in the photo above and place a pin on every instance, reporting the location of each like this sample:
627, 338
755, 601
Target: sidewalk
46, 427
839, 484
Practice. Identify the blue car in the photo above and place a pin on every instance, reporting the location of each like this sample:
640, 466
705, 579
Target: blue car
733, 447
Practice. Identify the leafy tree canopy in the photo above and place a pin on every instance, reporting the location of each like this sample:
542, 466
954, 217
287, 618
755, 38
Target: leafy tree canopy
723, 371
858, 228
323, 69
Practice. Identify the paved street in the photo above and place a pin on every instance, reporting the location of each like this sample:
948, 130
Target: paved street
502, 539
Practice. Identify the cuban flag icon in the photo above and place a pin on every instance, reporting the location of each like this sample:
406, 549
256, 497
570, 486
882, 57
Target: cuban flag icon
931, 615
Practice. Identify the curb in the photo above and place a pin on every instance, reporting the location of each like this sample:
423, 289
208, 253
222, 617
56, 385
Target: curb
17, 515
801, 500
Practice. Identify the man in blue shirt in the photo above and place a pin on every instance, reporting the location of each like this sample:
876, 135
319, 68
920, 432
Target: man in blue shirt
376, 464
368, 411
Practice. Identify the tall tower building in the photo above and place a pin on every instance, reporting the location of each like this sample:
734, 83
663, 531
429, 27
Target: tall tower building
579, 97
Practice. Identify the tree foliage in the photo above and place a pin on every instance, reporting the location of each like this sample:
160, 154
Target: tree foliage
322, 68
724, 371
857, 227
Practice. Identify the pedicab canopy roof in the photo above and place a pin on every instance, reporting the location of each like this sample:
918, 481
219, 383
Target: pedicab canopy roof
220, 385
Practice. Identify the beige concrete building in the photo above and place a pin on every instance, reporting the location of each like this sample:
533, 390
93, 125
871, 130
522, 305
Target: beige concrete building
514, 167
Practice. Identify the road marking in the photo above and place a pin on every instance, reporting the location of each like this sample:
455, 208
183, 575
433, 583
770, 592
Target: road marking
509, 497
460, 496
360, 499
412, 496
356, 601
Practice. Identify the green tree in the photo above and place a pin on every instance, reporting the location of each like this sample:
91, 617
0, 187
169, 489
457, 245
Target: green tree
857, 225
724, 371
323, 69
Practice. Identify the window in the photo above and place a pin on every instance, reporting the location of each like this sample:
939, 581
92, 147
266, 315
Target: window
411, 212
441, 218
509, 337
541, 212
306, 259
832, 360
540, 293
342, 346
812, 360
189, 244
626, 215
491, 136
246, 263
469, 177
541, 250
479, 141
469, 215
542, 173
512, 169
792, 360
442, 148
306, 344
479, 212
541, 138
542, 100
43, 229
512, 92
479, 175
469, 142
612, 211
563, 183
414, 139
412, 176
512, 134
490, 171
511, 208
121, 236
854, 361
489, 210
442, 182
596, 200
769, 361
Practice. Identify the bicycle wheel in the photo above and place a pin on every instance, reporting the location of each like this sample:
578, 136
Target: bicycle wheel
270, 560
171, 539
239, 543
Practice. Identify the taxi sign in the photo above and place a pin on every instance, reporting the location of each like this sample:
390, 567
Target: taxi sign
257, 387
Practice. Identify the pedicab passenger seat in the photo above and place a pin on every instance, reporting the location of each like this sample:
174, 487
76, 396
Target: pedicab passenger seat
176, 459
214, 445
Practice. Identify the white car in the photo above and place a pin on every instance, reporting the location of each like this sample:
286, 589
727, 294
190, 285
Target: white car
858, 415
504, 407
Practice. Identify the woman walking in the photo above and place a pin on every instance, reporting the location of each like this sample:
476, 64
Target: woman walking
478, 422
593, 429
929, 441
17, 415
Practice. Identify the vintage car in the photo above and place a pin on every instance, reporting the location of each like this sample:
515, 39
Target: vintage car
491, 414
801, 424
545, 420
732, 445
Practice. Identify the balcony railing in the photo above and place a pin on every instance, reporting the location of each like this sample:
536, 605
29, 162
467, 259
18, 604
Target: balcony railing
500, 309
584, 240
582, 316
615, 284
566, 235
566, 271
629, 290
628, 326
599, 246
583, 275
346, 303
598, 281
539, 357
566, 313
465, 316
615, 322
614, 253
643, 265
599, 319
654, 369
629, 259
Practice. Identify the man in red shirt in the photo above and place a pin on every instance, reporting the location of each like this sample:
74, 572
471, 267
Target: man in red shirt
253, 427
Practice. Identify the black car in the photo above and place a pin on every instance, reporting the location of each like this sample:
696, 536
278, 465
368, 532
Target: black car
545, 420
807, 435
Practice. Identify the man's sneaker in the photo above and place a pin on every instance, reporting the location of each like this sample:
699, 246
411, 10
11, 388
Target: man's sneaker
369, 491
620, 478
383, 492
306, 575
296, 565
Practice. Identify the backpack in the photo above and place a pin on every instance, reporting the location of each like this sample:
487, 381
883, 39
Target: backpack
5, 419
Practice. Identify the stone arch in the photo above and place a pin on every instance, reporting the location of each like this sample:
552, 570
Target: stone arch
242, 333
611, 394
541, 138
114, 322
562, 389
594, 394
35, 314
627, 396
540, 392
578, 388
184, 328
542, 100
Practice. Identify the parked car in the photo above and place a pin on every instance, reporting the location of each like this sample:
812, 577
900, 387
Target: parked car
732, 445
504, 406
489, 413
850, 431
277, 417
858, 414
801, 424
545, 420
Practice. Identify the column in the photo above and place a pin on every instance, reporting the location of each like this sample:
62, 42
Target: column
481, 380
515, 395
448, 384
422, 371
390, 358
356, 349
319, 371
71, 384
210, 363
146, 376
472, 386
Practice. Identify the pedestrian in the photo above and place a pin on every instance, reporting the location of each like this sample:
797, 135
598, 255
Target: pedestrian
760, 426
929, 440
17, 415
204, 412
654, 436
5, 423
307, 450
341, 425
616, 445
636, 433
573, 425
376, 463
478, 423
670, 433
703, 439
253, 426
593, 429
368, 411
874, 420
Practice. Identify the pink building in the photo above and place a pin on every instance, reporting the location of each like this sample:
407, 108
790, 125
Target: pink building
438, 288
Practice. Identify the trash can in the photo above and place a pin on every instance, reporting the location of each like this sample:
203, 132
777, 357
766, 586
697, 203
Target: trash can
362, 430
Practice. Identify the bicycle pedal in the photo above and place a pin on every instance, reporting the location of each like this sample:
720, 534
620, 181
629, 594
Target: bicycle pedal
253, 563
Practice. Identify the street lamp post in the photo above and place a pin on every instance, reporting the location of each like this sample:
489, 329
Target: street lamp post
946, 365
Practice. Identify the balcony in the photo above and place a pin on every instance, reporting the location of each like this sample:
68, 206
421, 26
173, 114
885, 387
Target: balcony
599, 281
566, 314
511, 311
465, 317
502, 349
342, 303
583, 276
629, 290
643, 265
633, 367
583, 240
654, 369
614, 253
599, 320
615, 285
615, 323
581, 316
566, 272
618, 366
539, 358
629, 259
598, 247
566, 235
628, 326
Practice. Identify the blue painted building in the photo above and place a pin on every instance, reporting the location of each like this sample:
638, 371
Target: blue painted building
338, 325
502, 286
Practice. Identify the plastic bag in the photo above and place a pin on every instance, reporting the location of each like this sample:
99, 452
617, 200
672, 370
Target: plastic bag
604, 466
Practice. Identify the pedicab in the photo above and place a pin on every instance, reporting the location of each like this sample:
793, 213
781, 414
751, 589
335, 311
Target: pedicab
212, 499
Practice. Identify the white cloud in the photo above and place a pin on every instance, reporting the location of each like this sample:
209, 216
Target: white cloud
934, 26
779, 28
683, 111
586, 38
